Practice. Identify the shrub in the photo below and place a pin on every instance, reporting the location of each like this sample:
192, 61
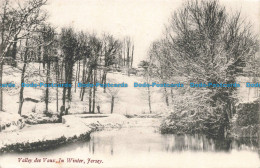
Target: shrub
248, 114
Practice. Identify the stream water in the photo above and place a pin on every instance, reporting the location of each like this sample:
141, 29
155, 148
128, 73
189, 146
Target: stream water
146, 147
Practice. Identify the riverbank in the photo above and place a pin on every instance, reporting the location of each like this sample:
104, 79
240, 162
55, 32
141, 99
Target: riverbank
46, 136
142, 145
73, 128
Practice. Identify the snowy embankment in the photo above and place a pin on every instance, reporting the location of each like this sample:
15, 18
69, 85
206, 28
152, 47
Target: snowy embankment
73, 128
46, 136
10, 122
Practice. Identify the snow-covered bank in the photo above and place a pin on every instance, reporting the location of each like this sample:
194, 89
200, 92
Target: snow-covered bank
46, 136
10, 122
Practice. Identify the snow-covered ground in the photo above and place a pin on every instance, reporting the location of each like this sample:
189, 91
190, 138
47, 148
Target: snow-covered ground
42, 132
133, 100
129, 100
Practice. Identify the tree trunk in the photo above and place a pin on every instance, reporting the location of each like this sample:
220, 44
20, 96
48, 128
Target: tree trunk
14, 51
104, 80
22, 79
64, 88
124, 60
128, 59
76, 78
70, 74
21, 90
172, 95
149, 99
94, 91
112, 104
90, 96
39, 68
57, 88
61, 71
132, 59
64, 96
43, 65
83, 79
88, 80
47, 88
1, 89
166, 96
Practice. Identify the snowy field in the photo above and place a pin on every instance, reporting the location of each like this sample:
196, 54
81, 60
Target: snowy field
128, 100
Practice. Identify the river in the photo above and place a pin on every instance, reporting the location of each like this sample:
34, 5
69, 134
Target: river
145, 147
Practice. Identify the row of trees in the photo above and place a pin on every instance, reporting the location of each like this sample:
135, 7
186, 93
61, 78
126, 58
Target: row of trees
204, 43
66, 56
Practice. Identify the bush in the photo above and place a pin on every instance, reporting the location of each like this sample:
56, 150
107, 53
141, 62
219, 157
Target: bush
248, 114
204, 122
245, 122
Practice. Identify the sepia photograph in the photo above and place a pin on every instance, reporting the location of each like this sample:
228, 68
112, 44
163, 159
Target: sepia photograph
129, 83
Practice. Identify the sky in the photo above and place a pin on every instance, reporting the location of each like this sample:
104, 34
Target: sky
142, 20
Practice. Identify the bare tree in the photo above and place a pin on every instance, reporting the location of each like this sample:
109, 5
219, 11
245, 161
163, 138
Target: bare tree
146, 65
18, 19
68, 45
84, 52
113, 92
111, 49
96, 47
48, 35
21, 99
128, 52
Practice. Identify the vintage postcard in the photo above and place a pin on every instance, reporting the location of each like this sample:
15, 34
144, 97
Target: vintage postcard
130, 84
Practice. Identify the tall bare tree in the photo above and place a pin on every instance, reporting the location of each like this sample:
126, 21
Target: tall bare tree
18, 20
111, 47
68, 44
48, 35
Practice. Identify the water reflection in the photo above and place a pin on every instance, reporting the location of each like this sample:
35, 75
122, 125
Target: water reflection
144, 147
146, 140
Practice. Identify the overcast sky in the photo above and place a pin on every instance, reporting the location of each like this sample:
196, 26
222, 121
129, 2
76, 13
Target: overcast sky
143, 20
